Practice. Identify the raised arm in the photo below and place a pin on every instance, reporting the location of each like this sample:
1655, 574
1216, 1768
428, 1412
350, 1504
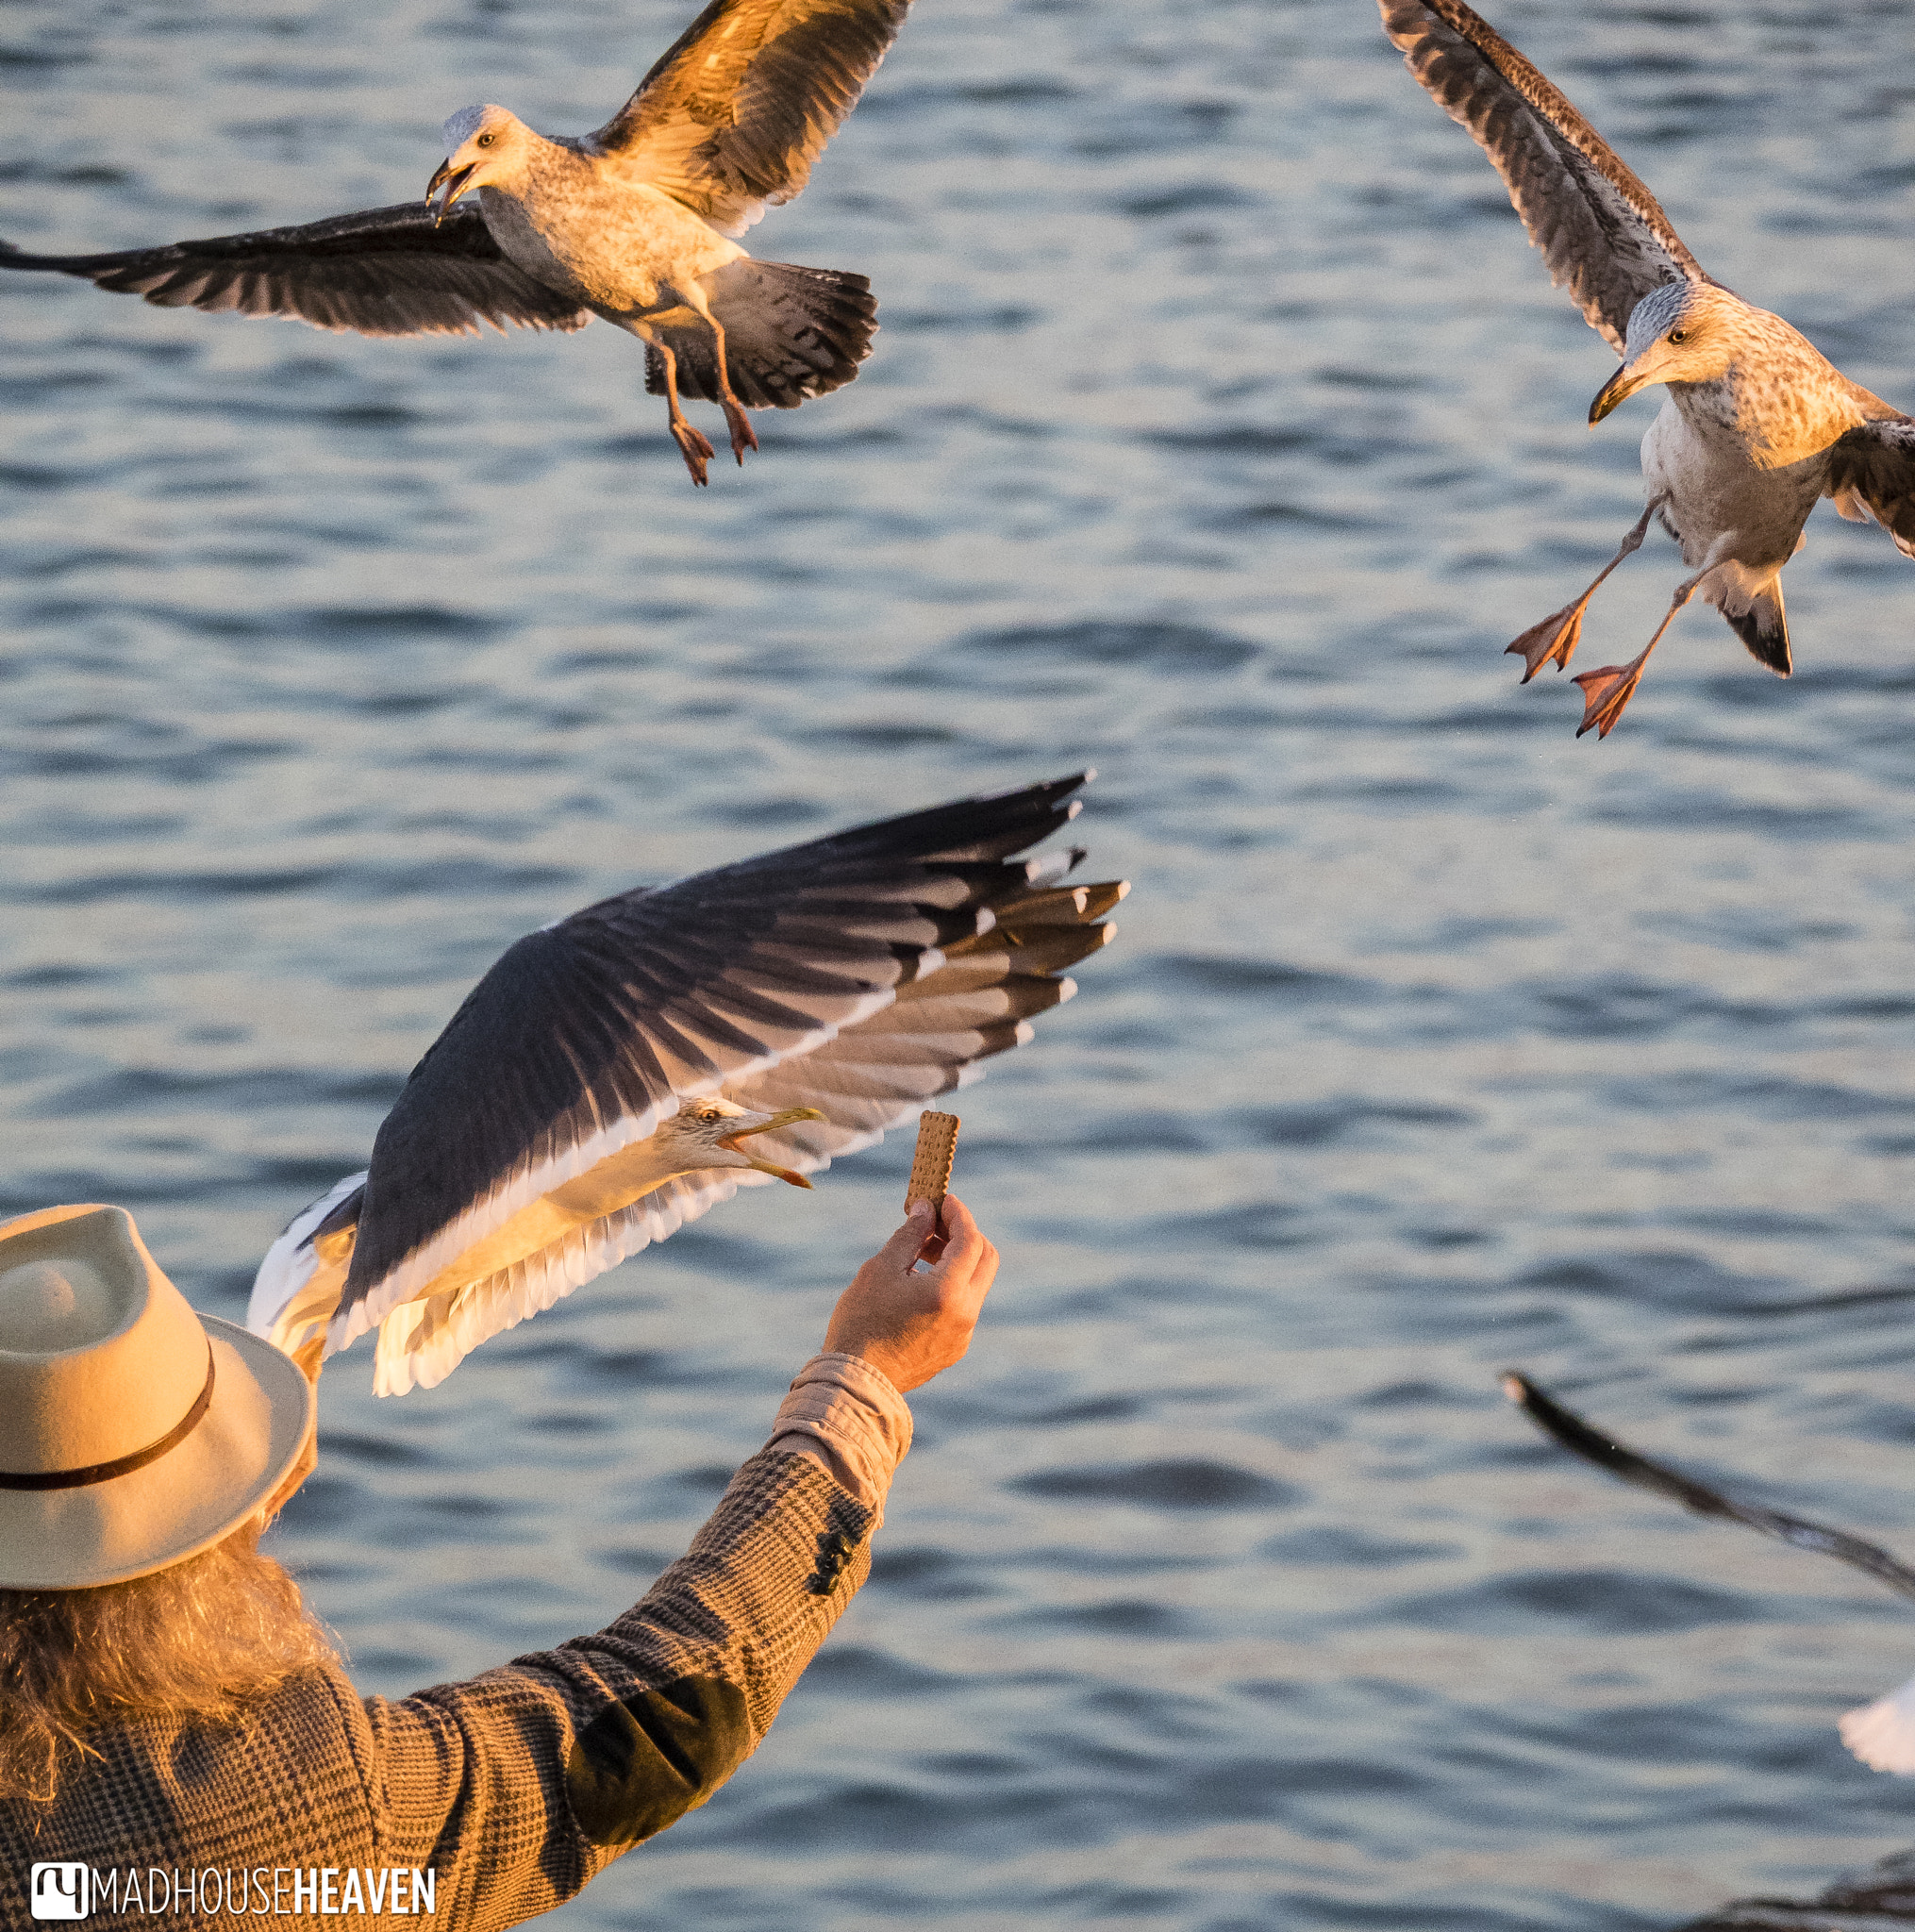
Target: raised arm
519, 1785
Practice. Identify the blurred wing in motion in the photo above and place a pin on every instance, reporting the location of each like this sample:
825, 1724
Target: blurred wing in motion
738, 109
385, 272
873, 1075
1603, 234
421, 1341
1882, 1734
1574, 1433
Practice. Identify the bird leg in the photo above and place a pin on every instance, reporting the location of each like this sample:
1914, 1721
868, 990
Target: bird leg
743, 436
691, 444
1607, 691
1559, 634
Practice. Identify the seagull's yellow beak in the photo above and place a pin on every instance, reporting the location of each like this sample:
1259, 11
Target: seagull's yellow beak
1618, 389
454, 180
788, 1118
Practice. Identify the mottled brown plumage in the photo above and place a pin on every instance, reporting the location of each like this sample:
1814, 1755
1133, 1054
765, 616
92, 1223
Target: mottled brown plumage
1758, 424
739, 107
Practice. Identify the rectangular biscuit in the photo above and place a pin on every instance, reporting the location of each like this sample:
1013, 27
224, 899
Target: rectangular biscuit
931, 1164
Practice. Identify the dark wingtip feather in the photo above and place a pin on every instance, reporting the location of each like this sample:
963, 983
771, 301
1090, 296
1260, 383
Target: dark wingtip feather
992, 825
13, 257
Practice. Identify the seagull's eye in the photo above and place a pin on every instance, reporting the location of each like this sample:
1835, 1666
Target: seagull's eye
1678, 335
485, 141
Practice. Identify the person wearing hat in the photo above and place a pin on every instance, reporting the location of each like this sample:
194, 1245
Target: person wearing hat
177, 1737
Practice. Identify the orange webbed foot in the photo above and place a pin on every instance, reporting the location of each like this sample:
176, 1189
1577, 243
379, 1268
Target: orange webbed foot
1557, 637
1606, 692
743, 436
693, 448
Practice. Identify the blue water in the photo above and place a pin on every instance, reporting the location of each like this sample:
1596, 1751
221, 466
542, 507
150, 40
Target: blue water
1220, 432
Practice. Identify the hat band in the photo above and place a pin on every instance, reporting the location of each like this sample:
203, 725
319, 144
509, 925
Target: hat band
121, 1465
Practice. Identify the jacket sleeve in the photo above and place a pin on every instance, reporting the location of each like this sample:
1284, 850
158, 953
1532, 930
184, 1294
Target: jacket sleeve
517, 1787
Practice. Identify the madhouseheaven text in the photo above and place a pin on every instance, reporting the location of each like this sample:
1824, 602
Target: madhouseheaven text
324, 1891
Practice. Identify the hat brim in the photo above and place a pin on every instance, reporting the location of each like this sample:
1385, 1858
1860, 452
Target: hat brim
231, 1461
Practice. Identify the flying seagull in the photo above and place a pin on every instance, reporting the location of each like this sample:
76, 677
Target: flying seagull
635, 222
1881, 1734
1755, 425
618, 1073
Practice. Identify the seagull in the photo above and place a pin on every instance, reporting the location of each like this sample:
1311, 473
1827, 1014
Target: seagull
620, 1072
1755, 425
635, 222
1881, 1734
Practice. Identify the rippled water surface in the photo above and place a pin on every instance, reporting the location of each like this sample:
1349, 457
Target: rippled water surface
1220, 432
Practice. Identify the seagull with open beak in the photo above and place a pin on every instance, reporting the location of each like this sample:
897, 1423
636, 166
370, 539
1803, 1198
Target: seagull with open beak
447, 184
636, 223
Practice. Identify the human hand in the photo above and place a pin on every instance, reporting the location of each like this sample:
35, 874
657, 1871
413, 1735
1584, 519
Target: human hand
909, 1325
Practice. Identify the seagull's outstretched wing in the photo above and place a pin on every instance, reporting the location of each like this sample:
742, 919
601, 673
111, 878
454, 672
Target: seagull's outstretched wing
384, 272
585, 1036
873, 1074
738, 109
1874, 464
1601, 231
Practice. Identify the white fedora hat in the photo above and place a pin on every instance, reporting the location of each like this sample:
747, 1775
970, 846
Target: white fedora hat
133, 1432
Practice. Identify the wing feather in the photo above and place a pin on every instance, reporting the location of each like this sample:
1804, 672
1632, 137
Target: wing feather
878, 1073
421, 1341
733, 115
1874, 464
1882, 1734
1601, 231
583, 1038
296, 1291
383, 271
870, 1077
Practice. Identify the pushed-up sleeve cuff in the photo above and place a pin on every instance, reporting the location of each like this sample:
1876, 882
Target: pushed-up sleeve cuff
843, 1413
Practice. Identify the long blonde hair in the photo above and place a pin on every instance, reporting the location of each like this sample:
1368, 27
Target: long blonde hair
202, 1642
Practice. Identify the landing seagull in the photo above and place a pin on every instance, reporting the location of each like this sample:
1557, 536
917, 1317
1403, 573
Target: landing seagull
1755, 425
620, 1072
635, 222
1881, 1734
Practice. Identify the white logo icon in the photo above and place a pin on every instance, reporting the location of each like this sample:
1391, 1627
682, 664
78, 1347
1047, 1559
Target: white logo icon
60, 1892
